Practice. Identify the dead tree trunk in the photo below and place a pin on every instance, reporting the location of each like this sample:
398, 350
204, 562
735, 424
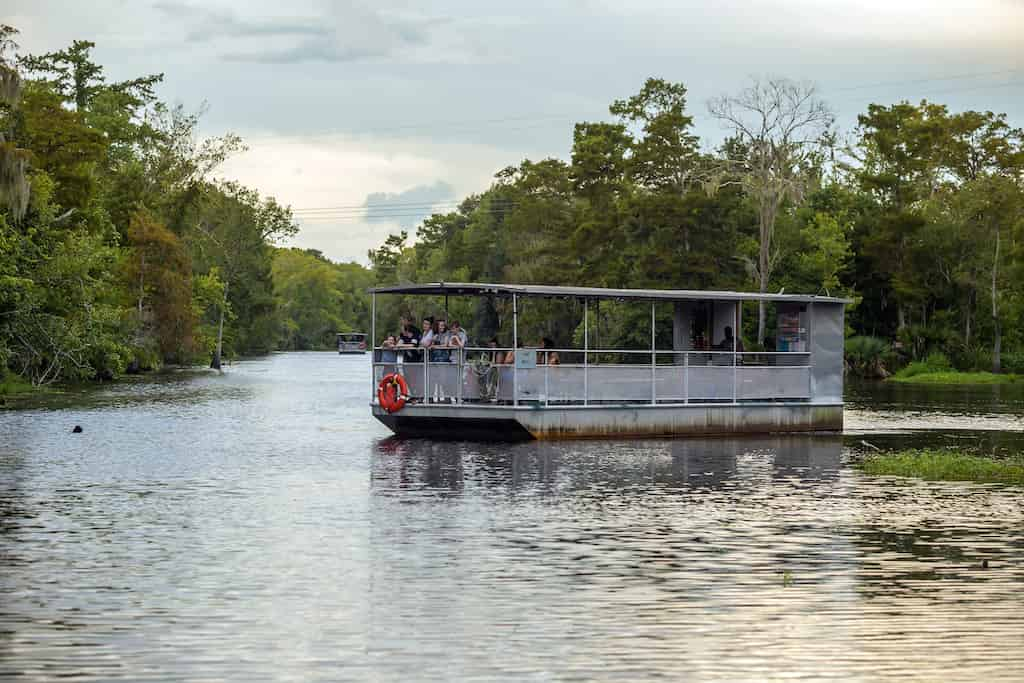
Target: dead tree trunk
215, 363
997, 340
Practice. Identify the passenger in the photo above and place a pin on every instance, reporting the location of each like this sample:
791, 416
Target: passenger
459, 338
387, 350
488, 375
727, 343
494, 357
427, 334
546, 357
441, 343
510, 358
409, 338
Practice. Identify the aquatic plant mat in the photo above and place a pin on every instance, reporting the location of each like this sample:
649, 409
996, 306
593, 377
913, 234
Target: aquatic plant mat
954, 377
937, 464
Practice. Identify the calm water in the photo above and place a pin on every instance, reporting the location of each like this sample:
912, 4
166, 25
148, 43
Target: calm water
259, 526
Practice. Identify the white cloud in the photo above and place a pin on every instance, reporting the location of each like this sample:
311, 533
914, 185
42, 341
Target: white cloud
421, 77
345, 171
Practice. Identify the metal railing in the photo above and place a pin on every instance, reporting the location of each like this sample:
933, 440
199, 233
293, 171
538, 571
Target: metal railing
597, 376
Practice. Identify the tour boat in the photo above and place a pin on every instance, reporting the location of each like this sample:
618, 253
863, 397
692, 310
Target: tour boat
351, 342
696, 387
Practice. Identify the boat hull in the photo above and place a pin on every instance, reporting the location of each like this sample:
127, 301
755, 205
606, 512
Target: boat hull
505, 423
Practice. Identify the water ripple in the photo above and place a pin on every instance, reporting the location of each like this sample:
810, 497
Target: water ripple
259, 526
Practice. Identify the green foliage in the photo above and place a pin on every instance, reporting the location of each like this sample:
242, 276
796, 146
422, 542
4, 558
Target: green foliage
868, 356
1012, 362
936, 362
919, 376
12, 385
121, 253
318, 298
946, 465
208, 303
937, 369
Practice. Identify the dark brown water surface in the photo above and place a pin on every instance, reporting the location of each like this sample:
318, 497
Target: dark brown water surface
261, 526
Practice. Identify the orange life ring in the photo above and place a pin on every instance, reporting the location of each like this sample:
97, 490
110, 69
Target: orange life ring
393, 392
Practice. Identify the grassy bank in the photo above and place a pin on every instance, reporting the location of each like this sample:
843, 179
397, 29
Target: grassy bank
12, 385
936, 369
955, 377
946, 465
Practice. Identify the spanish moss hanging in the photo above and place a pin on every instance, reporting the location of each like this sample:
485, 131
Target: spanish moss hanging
14, 186
10, 85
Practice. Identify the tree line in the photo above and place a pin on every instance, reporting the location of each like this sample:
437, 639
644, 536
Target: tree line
917, 214
120, 250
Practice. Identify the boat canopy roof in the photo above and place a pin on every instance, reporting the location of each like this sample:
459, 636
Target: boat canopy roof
561, 292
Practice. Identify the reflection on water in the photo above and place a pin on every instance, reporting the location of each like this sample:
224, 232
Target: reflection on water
581, 465
892, 406
262, 526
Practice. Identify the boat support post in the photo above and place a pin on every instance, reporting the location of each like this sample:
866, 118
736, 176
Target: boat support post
654, 360
735, 335
515, 350
373, 344
586, 350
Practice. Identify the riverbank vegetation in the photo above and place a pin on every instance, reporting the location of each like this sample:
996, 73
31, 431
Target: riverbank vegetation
946, 465
957, 377
12, 385
318, 298
937, 369
119, 250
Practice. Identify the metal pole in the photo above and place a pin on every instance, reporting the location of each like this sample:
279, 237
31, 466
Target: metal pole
686, 377
586, 349
810, 358
654, 360
373, 345
462, 373
735, 336
546, 380
515, 350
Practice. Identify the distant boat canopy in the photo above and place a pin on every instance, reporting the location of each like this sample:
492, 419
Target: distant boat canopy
351, 342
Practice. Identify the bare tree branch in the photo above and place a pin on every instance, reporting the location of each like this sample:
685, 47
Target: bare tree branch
782, 126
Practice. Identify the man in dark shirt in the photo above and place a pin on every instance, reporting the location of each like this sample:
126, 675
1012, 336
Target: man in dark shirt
727, 343
409, 339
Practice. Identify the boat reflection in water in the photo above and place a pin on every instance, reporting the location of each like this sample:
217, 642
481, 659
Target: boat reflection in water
559, 467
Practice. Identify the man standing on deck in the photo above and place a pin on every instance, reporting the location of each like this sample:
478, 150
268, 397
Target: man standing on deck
727, 343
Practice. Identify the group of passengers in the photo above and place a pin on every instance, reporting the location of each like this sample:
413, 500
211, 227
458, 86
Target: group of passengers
443, 342
434, 337
545, 354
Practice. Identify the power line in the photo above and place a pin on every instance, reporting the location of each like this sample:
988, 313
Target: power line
417, 126
307, 139
989, 86
395, 205
915, 81
541, 119
420, 209
369, 219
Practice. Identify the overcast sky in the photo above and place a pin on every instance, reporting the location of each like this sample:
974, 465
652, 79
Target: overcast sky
348, 104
